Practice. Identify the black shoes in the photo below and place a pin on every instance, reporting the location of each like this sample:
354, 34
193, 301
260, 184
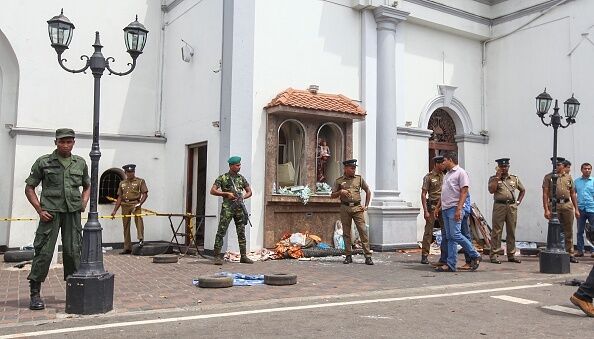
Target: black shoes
368, 261
36, 301
245, 260
424, 260
573, 260
348, 259
141, 243
126, 252
514, 259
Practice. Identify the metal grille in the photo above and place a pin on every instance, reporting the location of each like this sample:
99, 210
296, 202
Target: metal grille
108, 186
443, 127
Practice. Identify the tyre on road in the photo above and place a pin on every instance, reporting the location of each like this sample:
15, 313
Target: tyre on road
215, 281
151, 249
165, 258
280, 279
18, 255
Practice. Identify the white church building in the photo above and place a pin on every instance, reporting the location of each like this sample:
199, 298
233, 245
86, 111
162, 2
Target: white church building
390, 83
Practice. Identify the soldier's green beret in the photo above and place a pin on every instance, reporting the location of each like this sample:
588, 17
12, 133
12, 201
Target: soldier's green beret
64, 133
234, 160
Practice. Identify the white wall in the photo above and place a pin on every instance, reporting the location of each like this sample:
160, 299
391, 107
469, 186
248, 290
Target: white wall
518, 68
191, 100
49, 97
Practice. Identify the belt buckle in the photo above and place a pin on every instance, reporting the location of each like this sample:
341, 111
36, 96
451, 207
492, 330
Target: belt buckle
351, 204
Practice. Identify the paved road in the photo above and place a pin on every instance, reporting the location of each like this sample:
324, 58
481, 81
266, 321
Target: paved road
527, 308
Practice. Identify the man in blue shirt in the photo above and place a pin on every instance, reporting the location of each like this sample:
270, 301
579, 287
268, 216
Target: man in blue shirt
584, 187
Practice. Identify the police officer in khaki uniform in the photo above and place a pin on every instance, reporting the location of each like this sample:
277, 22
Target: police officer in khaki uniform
61, 175
348, 187
431, 186
503, 186
566, 203
132, 193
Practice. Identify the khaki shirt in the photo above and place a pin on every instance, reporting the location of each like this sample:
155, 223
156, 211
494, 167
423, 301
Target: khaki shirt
432, 183
60, 187
131, 189
351, 184
506, 187
564, 185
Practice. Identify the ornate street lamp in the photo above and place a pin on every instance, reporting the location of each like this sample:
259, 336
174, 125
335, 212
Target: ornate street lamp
554, 259
90, 289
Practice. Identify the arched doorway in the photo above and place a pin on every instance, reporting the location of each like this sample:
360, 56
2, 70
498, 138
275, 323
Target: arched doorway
442, 138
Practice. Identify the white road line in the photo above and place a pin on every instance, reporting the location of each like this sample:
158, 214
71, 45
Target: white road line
514, 299
564, 309
266, 310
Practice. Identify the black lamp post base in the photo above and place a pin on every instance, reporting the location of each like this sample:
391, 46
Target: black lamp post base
554, 262
89, 294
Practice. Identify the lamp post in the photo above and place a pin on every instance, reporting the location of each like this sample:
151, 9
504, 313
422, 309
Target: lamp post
90, 289
554, 259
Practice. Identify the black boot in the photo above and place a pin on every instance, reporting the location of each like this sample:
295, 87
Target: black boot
368, 261
244, 258
348, 259
36, 302
217, 257
424, 260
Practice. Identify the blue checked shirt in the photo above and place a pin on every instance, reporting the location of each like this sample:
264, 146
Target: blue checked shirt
585, 193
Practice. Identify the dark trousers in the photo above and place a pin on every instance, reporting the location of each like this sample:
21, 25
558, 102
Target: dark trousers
45, 241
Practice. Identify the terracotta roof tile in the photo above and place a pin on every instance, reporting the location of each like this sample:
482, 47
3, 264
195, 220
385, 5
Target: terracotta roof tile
317, 101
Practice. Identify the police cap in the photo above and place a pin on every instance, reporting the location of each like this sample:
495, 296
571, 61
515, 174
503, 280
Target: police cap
502, 162
350, 162
129, 168
438, 159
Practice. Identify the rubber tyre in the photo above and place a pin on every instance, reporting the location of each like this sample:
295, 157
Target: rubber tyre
152, 249
316, 252
215, 282
18, 255
529, 251
280, 279
165, 258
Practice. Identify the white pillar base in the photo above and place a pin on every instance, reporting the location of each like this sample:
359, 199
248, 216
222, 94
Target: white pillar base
392, 222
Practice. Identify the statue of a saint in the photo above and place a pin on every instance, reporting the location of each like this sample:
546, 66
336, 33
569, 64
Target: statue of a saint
323, 156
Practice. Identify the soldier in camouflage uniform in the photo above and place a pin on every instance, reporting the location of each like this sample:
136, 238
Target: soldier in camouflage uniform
61, 175
230, 186
431, 186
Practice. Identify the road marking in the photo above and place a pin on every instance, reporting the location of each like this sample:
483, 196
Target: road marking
267, 310
564, 309
514, 299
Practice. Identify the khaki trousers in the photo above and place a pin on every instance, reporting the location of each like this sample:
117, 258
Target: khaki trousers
508, 214
126, 210
566, 216
428, 234
356, 213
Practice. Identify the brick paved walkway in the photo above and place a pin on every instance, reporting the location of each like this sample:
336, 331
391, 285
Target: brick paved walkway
141, 285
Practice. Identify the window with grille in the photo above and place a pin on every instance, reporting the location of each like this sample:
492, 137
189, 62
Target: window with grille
108, 185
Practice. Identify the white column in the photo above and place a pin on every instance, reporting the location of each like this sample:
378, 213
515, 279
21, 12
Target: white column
386, 190
392, 221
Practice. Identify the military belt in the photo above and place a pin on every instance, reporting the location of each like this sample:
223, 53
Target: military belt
130, 200
560, 201
351, 204
506, 202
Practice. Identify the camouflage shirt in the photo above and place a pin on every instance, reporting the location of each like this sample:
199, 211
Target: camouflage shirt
225, 183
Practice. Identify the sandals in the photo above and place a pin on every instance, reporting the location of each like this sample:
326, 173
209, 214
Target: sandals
443, 269
474, 263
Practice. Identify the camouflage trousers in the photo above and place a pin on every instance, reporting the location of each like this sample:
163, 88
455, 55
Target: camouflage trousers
45, 241
229, 213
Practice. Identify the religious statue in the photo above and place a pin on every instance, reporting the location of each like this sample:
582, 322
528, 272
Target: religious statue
323, 156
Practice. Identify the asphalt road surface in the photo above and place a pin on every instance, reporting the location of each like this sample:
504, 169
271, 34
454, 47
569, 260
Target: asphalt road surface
524, 309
